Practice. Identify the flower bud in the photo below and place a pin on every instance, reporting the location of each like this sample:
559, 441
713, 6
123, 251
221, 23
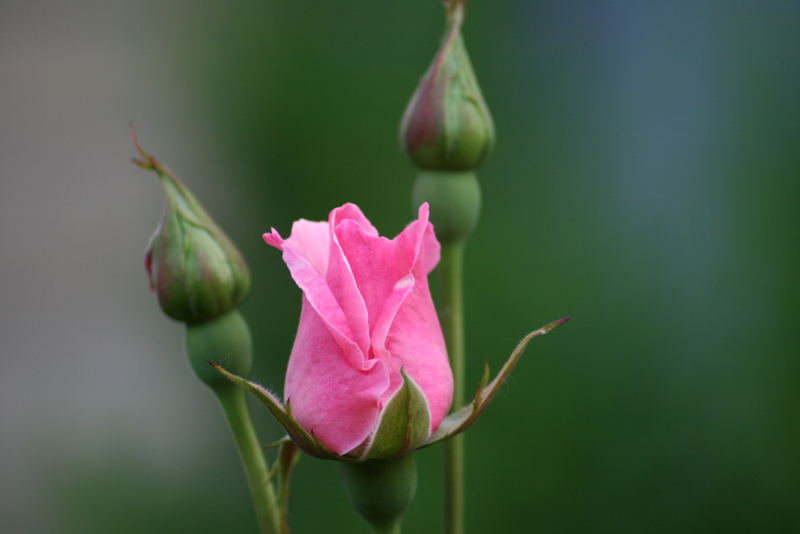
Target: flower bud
447, 125
368, 377
196, 271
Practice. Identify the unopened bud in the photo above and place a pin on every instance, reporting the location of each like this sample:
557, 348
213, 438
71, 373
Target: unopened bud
447, 125
194, 268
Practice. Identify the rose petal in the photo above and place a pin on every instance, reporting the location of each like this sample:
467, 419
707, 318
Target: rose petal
426, 247
320, 297
386, 273
378, 264
416, 344
336, 402
340, 277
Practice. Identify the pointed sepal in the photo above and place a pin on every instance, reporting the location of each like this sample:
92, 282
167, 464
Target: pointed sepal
460, 420
405, 423
310, 444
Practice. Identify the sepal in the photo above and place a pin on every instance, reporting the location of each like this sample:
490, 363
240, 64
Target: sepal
283, 414
405, 423
460, 420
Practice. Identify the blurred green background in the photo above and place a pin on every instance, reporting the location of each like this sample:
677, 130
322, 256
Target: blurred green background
645, 181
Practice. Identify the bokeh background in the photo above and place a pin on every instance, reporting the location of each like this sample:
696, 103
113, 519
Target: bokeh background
645, 181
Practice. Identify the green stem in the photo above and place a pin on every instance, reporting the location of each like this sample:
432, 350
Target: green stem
234, 404
452, 314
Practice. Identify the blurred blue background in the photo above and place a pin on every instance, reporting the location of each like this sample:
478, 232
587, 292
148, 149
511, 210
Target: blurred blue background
645, 181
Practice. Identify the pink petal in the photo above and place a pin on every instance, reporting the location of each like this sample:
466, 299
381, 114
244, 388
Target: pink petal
420, 237
416, 343
318, 295
412, 334
387, 273
354, 213
416, 239
378, 264
374, 264
309, 239
340, 277
273, 238
336, 402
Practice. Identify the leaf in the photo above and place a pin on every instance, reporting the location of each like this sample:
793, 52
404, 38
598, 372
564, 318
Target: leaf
405, 423
303, 439
460, 420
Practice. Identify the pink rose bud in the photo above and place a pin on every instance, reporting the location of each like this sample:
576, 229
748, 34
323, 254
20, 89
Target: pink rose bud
196, 271
447, 125
368, 374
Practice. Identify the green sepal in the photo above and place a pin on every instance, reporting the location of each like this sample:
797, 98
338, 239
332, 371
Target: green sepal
310, 444
405, 423
460, 420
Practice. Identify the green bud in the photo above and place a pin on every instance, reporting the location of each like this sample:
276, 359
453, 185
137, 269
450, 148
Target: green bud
447, 125
193, 267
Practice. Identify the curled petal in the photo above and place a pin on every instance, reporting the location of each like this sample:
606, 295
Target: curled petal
318, 295
309, 240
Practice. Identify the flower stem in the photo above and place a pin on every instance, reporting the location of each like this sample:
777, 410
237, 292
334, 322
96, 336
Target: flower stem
455, 201
452, 315
234, 405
